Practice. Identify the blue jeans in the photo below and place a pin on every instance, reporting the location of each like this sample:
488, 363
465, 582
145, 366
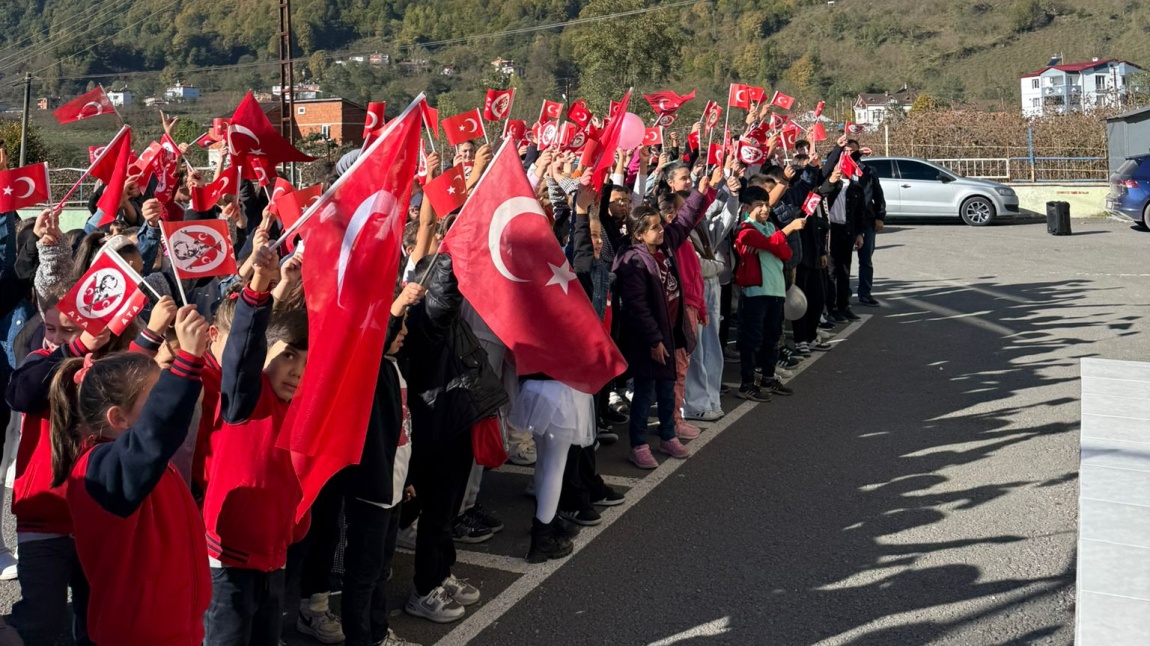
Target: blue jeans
662, 391
866, 269
246, 608
705, 376
760, 327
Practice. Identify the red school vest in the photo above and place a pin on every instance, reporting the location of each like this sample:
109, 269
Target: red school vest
37, 505
210, 421
148, 572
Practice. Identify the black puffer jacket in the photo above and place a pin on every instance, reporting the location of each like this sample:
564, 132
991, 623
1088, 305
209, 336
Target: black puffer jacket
450, 384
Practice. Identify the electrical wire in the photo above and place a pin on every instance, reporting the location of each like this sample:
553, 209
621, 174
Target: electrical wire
94, 22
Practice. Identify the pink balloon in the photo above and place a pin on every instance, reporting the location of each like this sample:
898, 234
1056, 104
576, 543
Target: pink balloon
632, 131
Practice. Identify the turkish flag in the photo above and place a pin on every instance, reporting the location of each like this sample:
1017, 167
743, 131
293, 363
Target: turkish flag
852, 128
205, 140
143, 163
513, 272
497, 105
251, 134
715, 155
447, 192
757, 132
777, 121
666, 101
165, 166
464, 127
23, 187
256, 169
783, 101
430, 119
750, 153
711, 115
567, 135
352, 257
653, 137
108, 295
579, 113
790, 134
819, 109
120, 152
739, 96
546, 134
550, 110
200, 248
288, 206
811, 204
756, 93
693, 141
516, 131
614, 109
848, 166
818, 132
87, 105
589, 150
375, 118
205, 197
608, 144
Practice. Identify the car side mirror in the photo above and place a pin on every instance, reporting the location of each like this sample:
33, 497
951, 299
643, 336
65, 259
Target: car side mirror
944, 178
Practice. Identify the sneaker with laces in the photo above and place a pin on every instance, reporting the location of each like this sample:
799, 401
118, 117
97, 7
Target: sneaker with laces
467, 529
437, 606
606, 435
642, 458
395, 640
316, 619
610, 417
776, 387
674, 448
850, 315
821, 346
8, 565
610, 498
548, 541
783, 373
485, 518
524, 457
803, 348
587, 517
705, 416
753, 393
405, 537
686, 431
463, 592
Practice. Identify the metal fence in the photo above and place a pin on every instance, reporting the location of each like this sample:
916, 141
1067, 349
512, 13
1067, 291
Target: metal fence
1030, 169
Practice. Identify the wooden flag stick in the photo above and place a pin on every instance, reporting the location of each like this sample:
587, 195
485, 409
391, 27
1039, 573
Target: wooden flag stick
175, 266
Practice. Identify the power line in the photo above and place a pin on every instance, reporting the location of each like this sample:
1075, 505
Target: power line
98, 21
428, 45
46, 33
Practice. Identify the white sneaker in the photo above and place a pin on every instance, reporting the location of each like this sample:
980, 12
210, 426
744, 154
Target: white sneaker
524, 457
705, 416
824, 335
463, 592
7, 565
783, 373
395, 640
317, 620
437, 606
405, 538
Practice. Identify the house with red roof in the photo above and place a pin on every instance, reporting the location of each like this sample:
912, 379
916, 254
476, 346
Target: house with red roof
1061, 87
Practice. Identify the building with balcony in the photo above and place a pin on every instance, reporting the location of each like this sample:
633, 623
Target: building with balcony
1075, 87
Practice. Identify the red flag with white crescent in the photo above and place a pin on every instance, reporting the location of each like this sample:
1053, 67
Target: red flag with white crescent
252, 135
550, 110
653, 137
121, 155
205, 197
463, 127
783, 101
290, 205
497, 104
514, 273
608, 144
667, 101
375, 118
811, 204
23, 187
200, 248
579, 113
90, 104
107, 296
353, 243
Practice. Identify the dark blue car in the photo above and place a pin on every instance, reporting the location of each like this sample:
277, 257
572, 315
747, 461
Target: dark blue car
1130, 190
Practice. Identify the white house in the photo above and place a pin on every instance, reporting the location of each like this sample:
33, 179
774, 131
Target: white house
873, 109
1075, 87
121, 98
181, 92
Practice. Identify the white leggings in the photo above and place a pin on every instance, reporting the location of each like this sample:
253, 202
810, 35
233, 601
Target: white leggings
551, 459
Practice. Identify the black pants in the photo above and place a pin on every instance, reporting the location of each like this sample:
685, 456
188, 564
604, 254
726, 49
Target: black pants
841, 253
810, 280
246, 608
581, 481
440, 473
48, 568
371, 534
725, 295
310, 561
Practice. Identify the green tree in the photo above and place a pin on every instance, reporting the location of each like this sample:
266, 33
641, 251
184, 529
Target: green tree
1029, 15
317, 64
925, 103
36, 151
611, 60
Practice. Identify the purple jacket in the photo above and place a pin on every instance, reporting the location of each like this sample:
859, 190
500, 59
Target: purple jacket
644, 319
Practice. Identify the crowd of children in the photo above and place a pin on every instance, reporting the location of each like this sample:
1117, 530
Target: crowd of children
149, 488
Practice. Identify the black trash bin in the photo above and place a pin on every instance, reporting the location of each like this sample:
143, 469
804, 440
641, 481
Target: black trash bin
1058, 218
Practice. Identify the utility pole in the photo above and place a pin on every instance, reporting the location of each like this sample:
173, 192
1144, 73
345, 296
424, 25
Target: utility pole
24, 118
287, 77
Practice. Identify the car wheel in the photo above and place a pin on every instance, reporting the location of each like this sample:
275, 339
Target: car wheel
1146, 216
977, 211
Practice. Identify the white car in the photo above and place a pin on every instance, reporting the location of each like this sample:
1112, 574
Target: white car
918, 188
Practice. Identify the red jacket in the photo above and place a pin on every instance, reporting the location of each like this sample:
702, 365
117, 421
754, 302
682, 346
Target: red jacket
210, 422
749, 241
139, 535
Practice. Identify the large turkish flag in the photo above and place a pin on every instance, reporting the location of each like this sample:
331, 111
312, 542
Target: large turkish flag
350, 263
251, 134
513, 272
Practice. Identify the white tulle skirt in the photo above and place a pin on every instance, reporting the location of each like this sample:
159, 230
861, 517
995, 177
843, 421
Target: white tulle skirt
554, 409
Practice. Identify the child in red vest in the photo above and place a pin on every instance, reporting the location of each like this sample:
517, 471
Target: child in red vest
252, 491
116, 423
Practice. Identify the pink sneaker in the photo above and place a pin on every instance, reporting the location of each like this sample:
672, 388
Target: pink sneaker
642, 458
674, 448
686, 431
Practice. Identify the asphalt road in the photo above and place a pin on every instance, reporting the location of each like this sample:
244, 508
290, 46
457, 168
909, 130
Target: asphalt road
919, 489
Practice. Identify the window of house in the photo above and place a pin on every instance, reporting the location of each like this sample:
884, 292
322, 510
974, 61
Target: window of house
1057, 80
1036, 102
1034, 84
876, 116
301, 110
1100, 82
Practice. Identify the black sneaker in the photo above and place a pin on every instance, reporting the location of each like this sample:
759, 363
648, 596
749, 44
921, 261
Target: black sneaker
566, 528
752, 393
587, 517
826, 325
467, 529
776, 387
485, 518
610, 498
605, 435
724, 389
838, 318
850, 315
869, 301
611, 417
547, 542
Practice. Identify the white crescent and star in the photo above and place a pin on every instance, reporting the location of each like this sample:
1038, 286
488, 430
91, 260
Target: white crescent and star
387, 205
243, 130
372, 120
226, 180
506, 212
739, 93
261, 174
83, 110
469, 128
276, 192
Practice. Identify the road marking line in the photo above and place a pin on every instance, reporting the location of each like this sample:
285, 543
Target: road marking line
535, 574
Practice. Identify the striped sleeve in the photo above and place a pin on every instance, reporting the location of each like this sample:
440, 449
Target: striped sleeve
187, 366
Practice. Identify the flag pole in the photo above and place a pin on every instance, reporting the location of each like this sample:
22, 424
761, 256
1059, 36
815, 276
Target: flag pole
483, 127
118, 115
88, 173
175, 266
507, 119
